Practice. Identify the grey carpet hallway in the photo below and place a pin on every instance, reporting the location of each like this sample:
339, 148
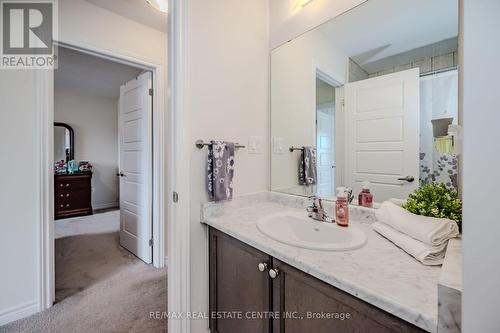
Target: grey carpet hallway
100, 287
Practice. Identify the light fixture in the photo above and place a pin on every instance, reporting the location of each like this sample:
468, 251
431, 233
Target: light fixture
298, 5
304, 3
161, 5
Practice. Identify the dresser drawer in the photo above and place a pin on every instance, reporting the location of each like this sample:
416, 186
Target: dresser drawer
72, 183
72, 195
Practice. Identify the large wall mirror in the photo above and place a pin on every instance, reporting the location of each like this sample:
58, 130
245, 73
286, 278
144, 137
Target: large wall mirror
370, 96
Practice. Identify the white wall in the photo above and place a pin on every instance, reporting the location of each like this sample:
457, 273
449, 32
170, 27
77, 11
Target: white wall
79, 23
18, 200
95, 122
83, 23
228, 100
288, 19
293, 98
481, 119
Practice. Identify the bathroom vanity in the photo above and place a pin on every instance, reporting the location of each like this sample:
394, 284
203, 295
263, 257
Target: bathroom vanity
272, 296
380, 287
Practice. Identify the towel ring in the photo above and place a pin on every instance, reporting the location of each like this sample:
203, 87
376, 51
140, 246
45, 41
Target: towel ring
200, 144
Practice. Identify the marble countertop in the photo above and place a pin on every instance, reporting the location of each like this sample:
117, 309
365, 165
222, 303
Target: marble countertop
379, 273
451, 274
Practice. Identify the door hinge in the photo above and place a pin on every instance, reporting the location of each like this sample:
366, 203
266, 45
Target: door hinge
151, 242
151, 92
175, 196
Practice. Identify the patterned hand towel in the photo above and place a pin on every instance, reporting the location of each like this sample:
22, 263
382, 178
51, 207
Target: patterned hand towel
220, 167
307, 166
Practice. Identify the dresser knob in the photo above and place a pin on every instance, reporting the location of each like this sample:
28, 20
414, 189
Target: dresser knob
67, 195
62, 195
62, 206
67, 205
61, 185
262, 266
67, 185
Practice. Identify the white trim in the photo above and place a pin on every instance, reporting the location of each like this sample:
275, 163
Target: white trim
105, 205
45, 100
179, 163
319, 74
18, 312
45, 188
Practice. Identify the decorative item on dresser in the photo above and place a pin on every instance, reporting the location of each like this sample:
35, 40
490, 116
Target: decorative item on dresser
73, 195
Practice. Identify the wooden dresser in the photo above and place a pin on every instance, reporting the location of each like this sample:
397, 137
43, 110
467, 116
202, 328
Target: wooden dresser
73, 195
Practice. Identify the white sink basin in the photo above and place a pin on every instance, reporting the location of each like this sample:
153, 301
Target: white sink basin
299, 230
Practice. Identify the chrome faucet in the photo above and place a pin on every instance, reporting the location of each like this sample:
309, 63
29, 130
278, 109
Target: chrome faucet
316, 210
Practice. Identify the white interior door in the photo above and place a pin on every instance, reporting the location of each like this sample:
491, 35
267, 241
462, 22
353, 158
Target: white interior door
325, 145
382, 134
135, 127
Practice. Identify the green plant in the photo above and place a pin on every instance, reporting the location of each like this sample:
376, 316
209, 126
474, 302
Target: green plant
435, 200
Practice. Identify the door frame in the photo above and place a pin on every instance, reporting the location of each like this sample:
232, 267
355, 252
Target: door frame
45, 189
333, 170
318, 73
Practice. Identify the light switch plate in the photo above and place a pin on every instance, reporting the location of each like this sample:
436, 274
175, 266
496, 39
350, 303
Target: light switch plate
255, 145
278, 145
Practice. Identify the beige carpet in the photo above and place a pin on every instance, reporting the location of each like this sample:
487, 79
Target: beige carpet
100, 287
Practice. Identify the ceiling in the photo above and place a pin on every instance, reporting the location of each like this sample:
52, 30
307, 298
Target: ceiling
91, 75
381, 28
136, 10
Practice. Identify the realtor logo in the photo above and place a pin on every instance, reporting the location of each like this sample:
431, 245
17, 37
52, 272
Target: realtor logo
27, 34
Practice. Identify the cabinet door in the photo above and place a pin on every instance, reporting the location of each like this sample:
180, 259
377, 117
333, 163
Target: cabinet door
239, 291
298, 297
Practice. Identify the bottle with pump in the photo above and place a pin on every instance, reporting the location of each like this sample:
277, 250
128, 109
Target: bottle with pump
365, 198
342, 208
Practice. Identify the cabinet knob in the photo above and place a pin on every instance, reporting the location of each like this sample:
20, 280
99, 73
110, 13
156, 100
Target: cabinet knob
67, 205
273, 273
67, 185
262, 266
67, 195
62, 206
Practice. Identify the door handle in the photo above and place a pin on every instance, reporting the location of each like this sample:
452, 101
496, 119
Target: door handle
121, 174
409, 179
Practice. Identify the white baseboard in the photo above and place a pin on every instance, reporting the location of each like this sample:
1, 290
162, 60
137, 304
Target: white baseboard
105, 205
18, 312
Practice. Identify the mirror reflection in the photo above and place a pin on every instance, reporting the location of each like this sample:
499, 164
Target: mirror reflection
63, 142
368, 100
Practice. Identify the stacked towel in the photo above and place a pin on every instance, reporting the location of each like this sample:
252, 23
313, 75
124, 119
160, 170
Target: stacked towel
220, 170
423, 237
426, 254
307, 166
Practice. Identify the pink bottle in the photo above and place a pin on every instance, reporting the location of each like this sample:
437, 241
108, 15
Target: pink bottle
342, 208
365, 198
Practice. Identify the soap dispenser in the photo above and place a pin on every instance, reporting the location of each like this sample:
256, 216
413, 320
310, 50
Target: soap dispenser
365, 198
342, 208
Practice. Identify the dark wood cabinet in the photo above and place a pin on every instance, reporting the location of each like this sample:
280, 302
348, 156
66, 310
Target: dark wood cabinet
72, 195
295, 302
238, 289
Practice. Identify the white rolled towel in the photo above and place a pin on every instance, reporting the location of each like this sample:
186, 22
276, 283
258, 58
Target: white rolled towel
426, 254
430, 230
